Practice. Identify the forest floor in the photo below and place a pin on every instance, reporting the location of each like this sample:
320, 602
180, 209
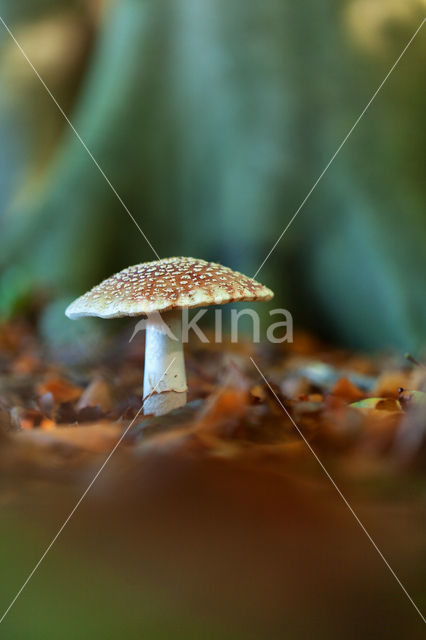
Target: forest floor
348, 406
239, 474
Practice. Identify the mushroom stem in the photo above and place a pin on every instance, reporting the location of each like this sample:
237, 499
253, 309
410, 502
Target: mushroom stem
164, 383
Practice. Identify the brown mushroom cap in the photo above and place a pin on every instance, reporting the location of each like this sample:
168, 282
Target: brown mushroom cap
171, 283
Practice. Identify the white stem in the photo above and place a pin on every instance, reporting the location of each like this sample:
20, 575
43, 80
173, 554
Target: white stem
164, 352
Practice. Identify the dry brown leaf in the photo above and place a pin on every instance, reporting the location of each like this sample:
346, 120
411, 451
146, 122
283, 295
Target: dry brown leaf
97, 394
61, 390
344, 388
96, 438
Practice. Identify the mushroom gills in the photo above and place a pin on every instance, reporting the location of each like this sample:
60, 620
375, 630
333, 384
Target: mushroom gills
164, 384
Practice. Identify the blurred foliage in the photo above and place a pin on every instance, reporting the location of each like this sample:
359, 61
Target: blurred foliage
212, 120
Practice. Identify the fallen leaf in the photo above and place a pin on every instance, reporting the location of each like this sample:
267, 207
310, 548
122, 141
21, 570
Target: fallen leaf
380, 404
61, 390
344, 388
97, 394
96, 438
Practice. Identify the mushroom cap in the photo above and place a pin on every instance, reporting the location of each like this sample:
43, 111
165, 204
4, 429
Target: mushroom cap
171, 283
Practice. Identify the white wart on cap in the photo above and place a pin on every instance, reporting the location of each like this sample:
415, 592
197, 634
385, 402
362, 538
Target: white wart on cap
166, 286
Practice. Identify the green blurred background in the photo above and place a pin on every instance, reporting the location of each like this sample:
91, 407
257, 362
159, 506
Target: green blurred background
213, 119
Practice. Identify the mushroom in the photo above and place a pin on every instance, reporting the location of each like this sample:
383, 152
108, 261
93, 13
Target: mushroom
160, 290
